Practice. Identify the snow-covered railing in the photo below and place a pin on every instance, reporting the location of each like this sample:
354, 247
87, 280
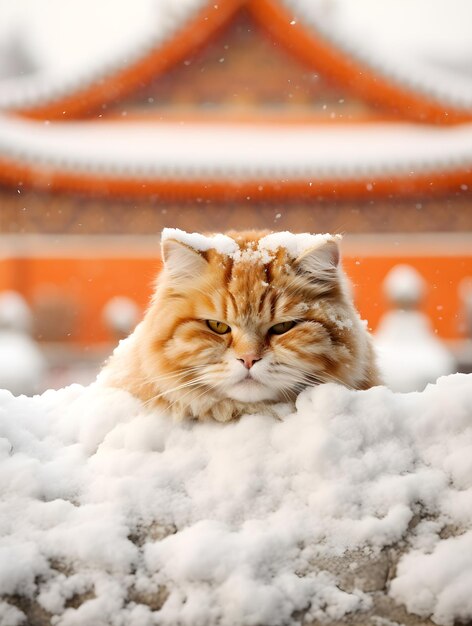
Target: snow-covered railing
355, 505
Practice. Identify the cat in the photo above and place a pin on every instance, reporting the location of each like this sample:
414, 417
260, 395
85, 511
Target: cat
241, 322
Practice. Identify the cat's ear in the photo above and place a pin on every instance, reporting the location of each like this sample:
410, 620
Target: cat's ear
181, 261
321, 262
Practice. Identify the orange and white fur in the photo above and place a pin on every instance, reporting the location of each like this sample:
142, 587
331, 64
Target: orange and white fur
240, 322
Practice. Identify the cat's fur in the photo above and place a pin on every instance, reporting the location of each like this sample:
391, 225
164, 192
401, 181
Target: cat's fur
175, 361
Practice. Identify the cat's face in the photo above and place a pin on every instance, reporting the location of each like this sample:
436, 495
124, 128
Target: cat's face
252, 326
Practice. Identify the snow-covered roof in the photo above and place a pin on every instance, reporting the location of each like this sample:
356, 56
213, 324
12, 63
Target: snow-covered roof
49, 51
76, 43
210, 152
423, 45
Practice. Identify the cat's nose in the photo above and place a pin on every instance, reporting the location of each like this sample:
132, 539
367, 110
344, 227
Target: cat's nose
248, 360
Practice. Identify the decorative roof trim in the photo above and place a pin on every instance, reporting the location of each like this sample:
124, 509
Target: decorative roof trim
86, 100
354, 75
41, 177
310, 47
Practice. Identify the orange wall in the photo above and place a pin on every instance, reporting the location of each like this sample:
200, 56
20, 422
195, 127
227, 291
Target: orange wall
442, 275
88, 282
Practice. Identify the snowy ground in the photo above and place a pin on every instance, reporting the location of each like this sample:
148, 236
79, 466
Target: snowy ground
358, 501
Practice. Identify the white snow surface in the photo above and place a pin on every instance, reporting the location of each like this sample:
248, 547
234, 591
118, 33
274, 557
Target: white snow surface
253, 504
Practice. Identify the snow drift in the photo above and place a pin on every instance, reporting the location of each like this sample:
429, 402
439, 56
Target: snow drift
152, 522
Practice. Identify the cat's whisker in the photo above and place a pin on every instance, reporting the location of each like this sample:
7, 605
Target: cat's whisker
166, 377
186, 395
191, 383
298, 373
178, 373
327, 377
183, 371
318, 379
194, 399
309, 379
199, 396
285, 395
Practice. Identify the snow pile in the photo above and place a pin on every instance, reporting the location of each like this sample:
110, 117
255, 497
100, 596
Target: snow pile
231, 524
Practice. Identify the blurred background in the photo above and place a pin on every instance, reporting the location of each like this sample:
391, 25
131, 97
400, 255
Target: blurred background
118, 118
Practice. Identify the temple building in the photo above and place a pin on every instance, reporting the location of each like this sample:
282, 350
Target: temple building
117, 119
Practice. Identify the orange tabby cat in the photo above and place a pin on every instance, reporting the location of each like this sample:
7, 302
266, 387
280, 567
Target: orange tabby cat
242, 321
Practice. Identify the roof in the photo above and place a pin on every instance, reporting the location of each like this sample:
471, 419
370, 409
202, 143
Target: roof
73, 58
424, 45
398, 50
181, 160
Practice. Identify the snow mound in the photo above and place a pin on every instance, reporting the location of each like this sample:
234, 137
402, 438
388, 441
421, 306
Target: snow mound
150, 522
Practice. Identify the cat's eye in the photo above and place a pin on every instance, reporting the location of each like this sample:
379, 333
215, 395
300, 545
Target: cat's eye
218, 327
281, 327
